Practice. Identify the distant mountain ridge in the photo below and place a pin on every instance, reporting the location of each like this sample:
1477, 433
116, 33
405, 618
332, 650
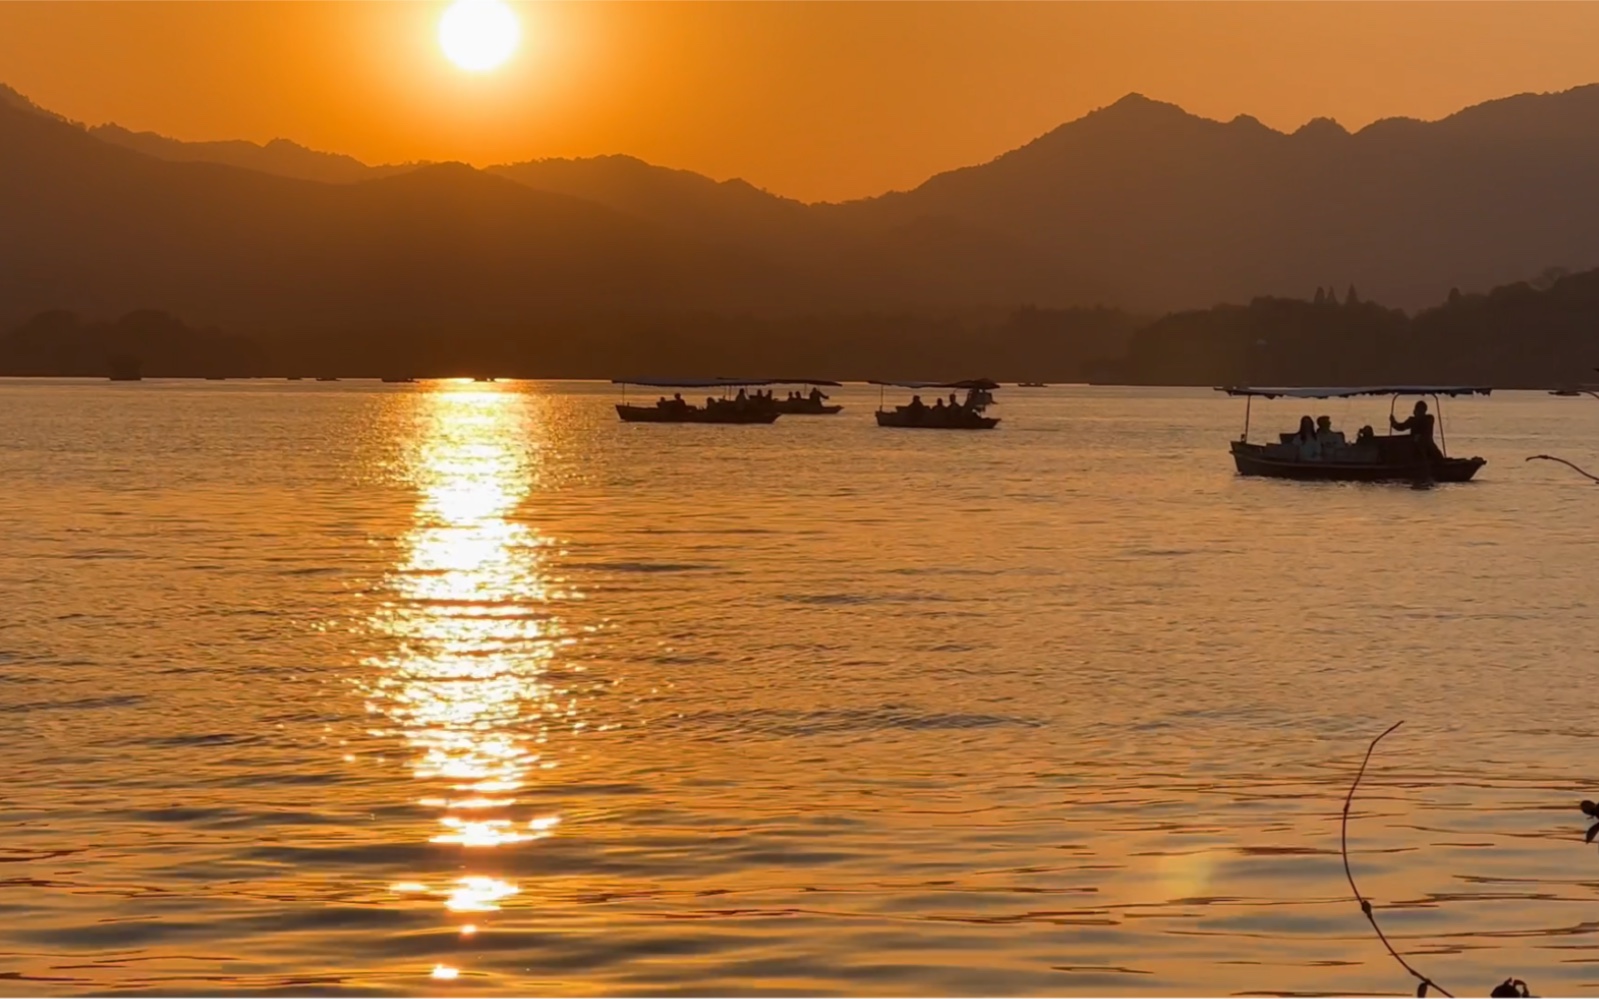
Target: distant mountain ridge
1138, 204
279, 157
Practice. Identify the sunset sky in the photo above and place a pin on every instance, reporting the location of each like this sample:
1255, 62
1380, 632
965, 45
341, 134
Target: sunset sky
817, 101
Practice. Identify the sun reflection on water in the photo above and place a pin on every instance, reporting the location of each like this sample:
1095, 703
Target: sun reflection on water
468, 685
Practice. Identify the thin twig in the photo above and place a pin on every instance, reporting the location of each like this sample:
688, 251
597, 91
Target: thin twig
1550, 457
1365, 906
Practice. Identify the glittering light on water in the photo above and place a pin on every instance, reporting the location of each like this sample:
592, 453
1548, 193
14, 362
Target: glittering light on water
474, 634
479, 894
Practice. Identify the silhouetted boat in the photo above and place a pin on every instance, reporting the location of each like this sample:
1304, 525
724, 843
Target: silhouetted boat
1575, 390
326, 378
398, 379
813, 404
1031, 385
743, 408
487, 379
1370, 457
294, 378
961, 415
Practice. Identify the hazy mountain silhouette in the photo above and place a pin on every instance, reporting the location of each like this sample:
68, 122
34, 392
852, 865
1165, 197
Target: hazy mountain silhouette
280, 156
1139, 204
100, 229
97, 228
679, 198
1181, 210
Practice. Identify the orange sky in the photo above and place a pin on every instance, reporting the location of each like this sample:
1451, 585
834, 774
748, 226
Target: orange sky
812, 100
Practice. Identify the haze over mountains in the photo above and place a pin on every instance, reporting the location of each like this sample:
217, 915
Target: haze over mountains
1138, 205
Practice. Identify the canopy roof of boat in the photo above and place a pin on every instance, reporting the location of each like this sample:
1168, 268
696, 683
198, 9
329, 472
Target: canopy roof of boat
717, 382
970, 383
1351, 391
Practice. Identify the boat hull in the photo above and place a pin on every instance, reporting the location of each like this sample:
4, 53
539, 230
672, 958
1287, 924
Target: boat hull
805, 408
927, 421
655, 414
1251, 460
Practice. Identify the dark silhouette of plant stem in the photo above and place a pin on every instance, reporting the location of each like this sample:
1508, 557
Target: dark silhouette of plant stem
1550, 457
1365, 906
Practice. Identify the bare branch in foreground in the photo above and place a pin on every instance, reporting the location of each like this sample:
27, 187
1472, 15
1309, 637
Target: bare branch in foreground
1365, 906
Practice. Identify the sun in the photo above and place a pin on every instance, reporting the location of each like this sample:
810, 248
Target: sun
478, 35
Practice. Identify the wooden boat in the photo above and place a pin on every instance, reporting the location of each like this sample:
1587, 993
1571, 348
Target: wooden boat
965, 415
695, 414
326, 378
1031, 385
740, 409
1370, 457
1569, 391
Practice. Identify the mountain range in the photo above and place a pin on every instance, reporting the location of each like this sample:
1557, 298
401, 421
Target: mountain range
1138, 205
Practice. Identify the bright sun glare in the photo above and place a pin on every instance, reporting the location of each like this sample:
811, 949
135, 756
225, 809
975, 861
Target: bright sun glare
478, 35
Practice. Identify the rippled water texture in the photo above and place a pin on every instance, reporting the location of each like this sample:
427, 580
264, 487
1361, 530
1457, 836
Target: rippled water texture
458, 687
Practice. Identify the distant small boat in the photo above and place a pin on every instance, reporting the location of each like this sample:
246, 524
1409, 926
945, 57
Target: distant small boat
295, 378
216, 378
1575, 390
964, 415
326, 378
490, 378
398, 379
1031, 385
813, 404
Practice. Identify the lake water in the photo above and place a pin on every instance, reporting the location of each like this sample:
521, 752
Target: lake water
454, 687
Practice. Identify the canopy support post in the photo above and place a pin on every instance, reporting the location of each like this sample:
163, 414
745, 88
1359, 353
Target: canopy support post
1443, 444
1248, 402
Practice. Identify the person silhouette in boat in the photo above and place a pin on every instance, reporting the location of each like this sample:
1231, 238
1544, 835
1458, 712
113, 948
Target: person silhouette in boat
1419, 426
1306, 440
917, 407
817, 395
1326, 435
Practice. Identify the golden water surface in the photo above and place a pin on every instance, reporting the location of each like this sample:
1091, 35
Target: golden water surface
468, 687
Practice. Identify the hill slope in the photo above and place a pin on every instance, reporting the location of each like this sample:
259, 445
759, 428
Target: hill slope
1184, 211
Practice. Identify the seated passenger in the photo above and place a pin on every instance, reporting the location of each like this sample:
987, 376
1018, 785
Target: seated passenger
1326, 436
917, 405
1308, 447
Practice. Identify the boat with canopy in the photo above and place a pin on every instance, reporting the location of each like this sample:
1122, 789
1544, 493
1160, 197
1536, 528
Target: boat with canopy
1324, 455
966, 414
740, 407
